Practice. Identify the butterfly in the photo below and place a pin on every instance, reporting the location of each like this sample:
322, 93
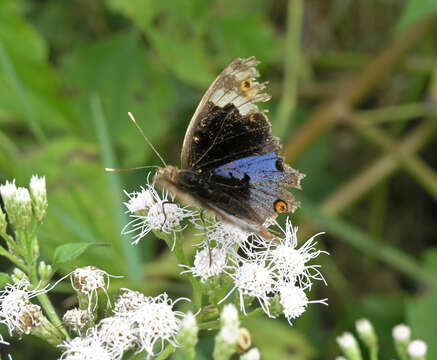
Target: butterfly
230, 161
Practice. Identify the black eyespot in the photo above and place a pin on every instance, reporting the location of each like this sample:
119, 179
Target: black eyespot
279, 165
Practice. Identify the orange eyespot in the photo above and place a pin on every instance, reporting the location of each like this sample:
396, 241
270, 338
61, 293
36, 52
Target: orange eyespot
246, 85
280, 206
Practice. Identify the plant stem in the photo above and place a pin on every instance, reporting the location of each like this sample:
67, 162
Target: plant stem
46, 304
291, 67
165, 354
12, 258
180, 255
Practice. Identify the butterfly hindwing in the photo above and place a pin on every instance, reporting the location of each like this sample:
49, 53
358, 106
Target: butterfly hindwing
263, 175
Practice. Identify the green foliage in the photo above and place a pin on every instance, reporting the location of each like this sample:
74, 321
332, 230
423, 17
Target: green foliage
68, 252
416, 11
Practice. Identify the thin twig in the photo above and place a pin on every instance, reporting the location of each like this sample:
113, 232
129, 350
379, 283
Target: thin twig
415, 166
355, 90
355, 188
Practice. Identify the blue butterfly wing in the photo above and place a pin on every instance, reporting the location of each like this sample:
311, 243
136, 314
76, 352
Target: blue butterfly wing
264, 175
230, 159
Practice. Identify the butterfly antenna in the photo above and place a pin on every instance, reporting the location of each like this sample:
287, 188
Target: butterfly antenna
134, 168
145, 138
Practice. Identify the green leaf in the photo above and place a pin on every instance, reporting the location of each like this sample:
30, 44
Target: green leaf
415, 11
255, 37
4, 279
127, 78
177, 36
31, 91
69, 252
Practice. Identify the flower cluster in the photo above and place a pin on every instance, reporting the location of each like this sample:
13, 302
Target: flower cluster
269, 271
21, 204
138, 323
405, 348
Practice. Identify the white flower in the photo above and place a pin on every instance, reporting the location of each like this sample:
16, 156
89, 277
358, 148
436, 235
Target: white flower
157, 321
291, 262
208, 264
401, 332
139, 202
16, 310
294, 301
152, 212
76, 319
117, 334
255, 280
88, 280
89, 347
226, 235
152, 320
129, 301
39, 196
417, 349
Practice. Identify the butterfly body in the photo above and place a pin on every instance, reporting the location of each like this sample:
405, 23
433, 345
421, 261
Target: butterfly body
230, 161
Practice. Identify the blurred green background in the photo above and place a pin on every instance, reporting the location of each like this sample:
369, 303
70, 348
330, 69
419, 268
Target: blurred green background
354, 87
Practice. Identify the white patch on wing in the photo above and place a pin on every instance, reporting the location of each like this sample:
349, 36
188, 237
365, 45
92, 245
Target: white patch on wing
228, 87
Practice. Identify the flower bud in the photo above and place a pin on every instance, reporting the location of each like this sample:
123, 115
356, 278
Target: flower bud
18, 276
188, 333
367, 334
227, 338
45, 271
417, 350
39, 196
18, 204
349, 346
401, 336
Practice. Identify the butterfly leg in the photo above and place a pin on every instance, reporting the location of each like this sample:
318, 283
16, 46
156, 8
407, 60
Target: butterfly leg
165, 214
206, 234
